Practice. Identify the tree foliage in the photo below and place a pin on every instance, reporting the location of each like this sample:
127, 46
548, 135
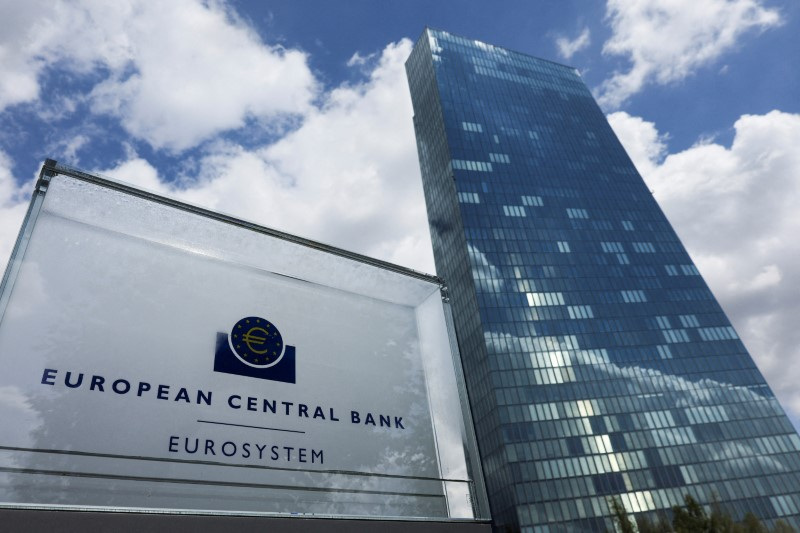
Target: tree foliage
693, 518
621, 520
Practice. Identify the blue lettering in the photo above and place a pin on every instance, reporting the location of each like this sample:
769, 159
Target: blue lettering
398, 422
73, 385
182, 395
369, 421
245, 450
223, 449
186, 445
333, 418
302, 410
318, 413
125, 386
354, 418
49, 376
261, 448
230, 401
288, 452
251, 404
97, 381
316, 455
271, 406
143, 387
386, 420
287, 404
203, 397
163, 392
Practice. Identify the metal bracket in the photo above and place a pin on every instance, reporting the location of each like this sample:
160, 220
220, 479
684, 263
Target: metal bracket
47, 173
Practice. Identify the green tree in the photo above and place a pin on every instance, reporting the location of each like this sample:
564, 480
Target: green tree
621, 519
720, 521
782, 527
661, 525
751, 524
692, 519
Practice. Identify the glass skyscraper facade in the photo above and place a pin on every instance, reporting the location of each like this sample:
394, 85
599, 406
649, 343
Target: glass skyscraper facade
598, 363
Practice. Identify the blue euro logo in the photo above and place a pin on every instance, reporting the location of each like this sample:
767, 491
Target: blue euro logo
256, 342
254, 348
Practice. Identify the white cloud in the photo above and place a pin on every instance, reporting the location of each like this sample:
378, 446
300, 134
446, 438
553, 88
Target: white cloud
139, 173
67, 147
666, 41
568, 48
166, 85
489, 278
348, 175
20, 418
642, 380
13, 205
19, 67
736, 211
644, 144
360, 60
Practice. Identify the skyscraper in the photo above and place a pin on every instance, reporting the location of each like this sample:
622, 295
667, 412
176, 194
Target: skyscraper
598, 363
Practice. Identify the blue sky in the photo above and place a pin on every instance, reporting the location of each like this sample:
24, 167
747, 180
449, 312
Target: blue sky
296, 115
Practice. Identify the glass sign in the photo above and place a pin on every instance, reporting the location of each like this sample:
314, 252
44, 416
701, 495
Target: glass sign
156, 355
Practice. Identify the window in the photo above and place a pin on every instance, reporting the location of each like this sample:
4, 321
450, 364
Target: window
612, 247
469, 198
534, 201
514, 211
499, 158
580, 311
717, 334
644, 247
675, 335
636, 296
472, 126
573, 212
541, 299
689, 270
475, 166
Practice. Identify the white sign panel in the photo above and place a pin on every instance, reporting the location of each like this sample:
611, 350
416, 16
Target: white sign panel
154, 356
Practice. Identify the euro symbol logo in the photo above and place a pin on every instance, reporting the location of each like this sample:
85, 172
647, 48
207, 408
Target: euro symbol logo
250, 338
254, 348
256, 342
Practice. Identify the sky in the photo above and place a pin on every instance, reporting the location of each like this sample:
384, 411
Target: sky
295, 114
